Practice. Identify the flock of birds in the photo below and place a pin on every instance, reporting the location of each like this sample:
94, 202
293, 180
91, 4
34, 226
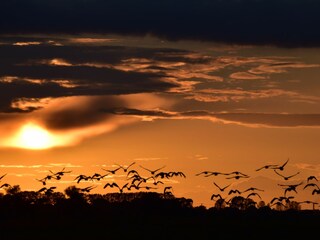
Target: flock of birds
279, 202
134, 180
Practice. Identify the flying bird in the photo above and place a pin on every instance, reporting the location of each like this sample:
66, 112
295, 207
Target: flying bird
152, 172
281, 167
254, 194
311, 185
234, 191
237, 177
87, 189
215, 196
221, 188
172, 174
280, 199
270, 166
237, 173
286, 177
5, 185
253, 189
315, 191
113, 171
117, 186
311, 178
209, 173
125, 168
59, 174
3, 176
82, 177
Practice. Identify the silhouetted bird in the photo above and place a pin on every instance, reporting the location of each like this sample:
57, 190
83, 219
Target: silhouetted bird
237, 173
152, 172
221, 188
5, 185
47, 190
311, 185
286, 177
113, 171
271, 166
125, 168
237, 177
215, 196
59, 174
254, 194
253, 189
45, 179
162, 175
280, 199
134, 172
3, 176
234, 191
312, 178
117, 186
290, 187
281, 167
87, 189
167, 190
172, 174
98, 176
209, 173
315, 191
82, 177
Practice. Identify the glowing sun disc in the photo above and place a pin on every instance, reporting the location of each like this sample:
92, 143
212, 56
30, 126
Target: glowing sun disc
32, 136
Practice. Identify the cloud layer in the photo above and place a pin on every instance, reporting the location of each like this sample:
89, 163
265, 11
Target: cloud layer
286, 23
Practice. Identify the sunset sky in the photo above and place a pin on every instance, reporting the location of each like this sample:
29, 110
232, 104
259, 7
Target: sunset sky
190, 85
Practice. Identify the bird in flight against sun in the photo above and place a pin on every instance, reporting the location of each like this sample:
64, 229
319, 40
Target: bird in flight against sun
286, 177
221, 188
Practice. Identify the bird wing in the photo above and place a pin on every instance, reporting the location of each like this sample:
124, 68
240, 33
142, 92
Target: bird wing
278, 173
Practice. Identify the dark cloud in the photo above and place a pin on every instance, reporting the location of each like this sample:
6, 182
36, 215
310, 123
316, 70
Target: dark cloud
81, 113
248, 119
289, 23
26, 73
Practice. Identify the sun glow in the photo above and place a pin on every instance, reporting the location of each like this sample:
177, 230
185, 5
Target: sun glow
32, 136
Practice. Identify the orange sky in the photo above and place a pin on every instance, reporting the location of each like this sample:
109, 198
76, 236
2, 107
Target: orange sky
188, 106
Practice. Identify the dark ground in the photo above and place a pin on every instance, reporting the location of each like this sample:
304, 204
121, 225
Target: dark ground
149, 217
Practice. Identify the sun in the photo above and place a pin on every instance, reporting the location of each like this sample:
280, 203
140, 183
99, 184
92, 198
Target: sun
32, 136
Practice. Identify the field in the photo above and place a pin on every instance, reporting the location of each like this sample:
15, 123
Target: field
144, 215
